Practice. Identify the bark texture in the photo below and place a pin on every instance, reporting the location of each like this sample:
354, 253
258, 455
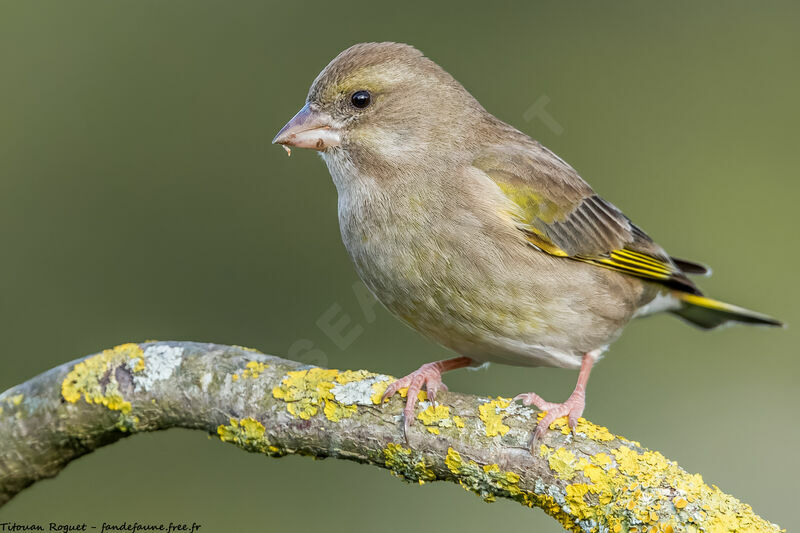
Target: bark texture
591, 480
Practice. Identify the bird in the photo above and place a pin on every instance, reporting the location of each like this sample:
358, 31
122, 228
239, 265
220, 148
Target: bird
478, 236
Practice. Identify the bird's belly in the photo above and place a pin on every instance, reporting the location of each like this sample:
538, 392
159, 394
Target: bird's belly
482, 321
483, 311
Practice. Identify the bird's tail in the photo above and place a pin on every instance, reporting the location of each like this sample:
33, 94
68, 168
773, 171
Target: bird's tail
709, 314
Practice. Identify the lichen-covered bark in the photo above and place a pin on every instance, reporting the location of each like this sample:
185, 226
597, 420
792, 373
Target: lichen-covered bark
591, 480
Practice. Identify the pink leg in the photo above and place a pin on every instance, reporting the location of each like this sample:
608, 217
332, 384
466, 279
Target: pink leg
573, 407
430, 375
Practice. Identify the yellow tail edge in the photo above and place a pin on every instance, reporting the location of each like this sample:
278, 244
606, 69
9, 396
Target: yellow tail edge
708, 313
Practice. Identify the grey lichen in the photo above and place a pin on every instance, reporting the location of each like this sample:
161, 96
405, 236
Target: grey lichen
160, 362
357, 392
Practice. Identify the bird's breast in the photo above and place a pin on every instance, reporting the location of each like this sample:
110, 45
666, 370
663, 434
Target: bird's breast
396, 251
422, 264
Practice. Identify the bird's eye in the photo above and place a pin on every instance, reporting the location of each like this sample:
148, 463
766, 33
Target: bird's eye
361, 99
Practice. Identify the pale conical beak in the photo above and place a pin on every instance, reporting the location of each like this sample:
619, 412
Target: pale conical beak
309, 128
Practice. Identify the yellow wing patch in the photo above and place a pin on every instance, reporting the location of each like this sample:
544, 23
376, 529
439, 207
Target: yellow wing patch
624, 260
536, 238
634, 263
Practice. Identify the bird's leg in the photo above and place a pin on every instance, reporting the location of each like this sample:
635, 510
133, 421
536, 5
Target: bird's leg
429, 375
572, 408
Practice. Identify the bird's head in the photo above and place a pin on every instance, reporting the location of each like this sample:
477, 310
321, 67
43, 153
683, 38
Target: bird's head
384, 104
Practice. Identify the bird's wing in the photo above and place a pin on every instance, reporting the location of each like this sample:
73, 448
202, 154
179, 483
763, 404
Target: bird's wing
560, 214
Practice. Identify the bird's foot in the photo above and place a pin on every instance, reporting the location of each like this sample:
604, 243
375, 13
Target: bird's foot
429, 375
572, 408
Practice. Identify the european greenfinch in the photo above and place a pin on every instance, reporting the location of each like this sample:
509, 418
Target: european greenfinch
476, 235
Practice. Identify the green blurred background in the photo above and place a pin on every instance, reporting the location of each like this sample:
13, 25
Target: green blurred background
140, 198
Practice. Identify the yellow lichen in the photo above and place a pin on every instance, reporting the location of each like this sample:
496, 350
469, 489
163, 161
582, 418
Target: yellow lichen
626, 498
482, 480
563, 463
246, 349
583, 427
249, 434
378, 388
348, 376
504, 480
602, 481
642, 477
489, 480
306, 391
16, 400
421, 395
335, 412
491, 415
649, 468
95, 378
246, 429
436, 417
601, 459
593, 431
252, 370
575, 498
459, 422
138, 364
453, 461
407, 463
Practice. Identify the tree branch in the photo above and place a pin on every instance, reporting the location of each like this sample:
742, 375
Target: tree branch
590, 481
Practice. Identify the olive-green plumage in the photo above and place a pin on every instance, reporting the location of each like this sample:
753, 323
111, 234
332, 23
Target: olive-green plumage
473, 233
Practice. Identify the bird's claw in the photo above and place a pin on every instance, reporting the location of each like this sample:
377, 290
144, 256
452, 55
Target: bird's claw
432, 389
572, 409
427, 375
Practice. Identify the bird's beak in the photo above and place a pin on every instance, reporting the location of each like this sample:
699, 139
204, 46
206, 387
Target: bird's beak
309, 128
